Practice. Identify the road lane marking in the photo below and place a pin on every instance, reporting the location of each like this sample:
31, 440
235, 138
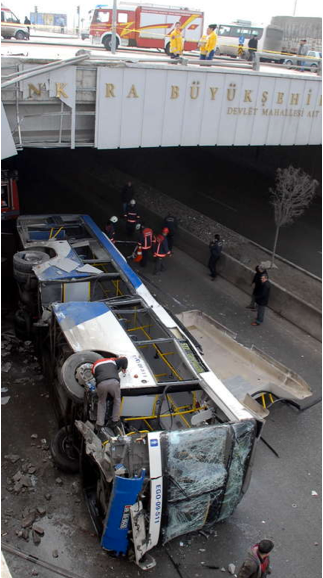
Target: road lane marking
219, 202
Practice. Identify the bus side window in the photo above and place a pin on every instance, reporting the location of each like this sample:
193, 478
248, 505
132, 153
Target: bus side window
224, 30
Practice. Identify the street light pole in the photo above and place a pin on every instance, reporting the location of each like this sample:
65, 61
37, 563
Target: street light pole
295, 5
114, 27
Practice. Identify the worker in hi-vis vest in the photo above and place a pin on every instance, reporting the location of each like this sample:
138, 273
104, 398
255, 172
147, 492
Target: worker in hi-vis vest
202, 45
211, 41
176, 41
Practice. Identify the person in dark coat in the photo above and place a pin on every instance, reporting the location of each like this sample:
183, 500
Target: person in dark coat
127, 194
106, 373
257, 563
260, 269
170, 222
252, 45
215, 252
262, 298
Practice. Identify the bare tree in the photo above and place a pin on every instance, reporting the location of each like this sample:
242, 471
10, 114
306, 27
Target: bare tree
294, 191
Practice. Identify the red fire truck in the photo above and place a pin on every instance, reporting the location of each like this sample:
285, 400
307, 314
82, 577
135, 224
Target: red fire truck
9, 195
145, 25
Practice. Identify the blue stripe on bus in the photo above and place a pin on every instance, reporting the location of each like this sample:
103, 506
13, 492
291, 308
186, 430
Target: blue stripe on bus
77, 312
130, 274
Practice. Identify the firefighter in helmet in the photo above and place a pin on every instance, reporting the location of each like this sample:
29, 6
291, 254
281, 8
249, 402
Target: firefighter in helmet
132, 217
160, 251
110, 228
146, 240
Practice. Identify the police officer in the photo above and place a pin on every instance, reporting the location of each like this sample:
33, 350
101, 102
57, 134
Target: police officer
161, 250
215, 248
132, 218
170, 222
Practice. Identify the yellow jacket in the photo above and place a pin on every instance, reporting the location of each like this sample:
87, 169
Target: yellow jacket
202, 44
211, 42
176, 42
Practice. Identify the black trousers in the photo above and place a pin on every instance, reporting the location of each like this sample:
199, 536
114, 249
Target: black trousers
130, 229
170, 241
212, 265
159, 264
144, 259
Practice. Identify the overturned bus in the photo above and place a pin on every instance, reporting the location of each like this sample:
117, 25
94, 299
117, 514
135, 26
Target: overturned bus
183, 457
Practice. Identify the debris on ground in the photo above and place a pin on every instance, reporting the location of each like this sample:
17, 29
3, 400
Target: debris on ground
231, 569
6, 367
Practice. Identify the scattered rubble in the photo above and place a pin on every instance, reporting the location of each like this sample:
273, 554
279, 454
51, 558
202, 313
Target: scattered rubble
5, 368
38, 529
231, 569
13, 458
55, 553
36, 537
59, 481
41, 511
28, 520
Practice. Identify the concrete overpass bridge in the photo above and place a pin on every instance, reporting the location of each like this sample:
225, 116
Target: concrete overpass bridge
132, 102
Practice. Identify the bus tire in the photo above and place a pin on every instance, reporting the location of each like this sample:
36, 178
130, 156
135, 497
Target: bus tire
27, 279
107, 42
167, 48
22, 325
74, 390
64, 455
24, 261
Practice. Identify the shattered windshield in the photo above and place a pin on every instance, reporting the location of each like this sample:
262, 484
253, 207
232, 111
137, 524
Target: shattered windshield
205, 471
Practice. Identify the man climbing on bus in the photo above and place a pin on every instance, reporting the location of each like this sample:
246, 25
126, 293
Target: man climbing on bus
106, 373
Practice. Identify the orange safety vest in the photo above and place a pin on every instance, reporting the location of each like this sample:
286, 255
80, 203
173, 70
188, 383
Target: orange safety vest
146, 238
132, 216
161, 246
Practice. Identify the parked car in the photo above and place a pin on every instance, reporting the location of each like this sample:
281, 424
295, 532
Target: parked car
308, 64
11, 26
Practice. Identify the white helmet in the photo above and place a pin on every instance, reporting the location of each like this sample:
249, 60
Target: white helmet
114, 219
132, 202
138, 226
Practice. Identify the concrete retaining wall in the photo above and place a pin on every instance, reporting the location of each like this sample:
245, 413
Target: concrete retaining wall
289, 306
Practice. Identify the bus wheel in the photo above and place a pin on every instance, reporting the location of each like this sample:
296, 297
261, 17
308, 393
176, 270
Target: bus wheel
64, 454
167, 48
69, 375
